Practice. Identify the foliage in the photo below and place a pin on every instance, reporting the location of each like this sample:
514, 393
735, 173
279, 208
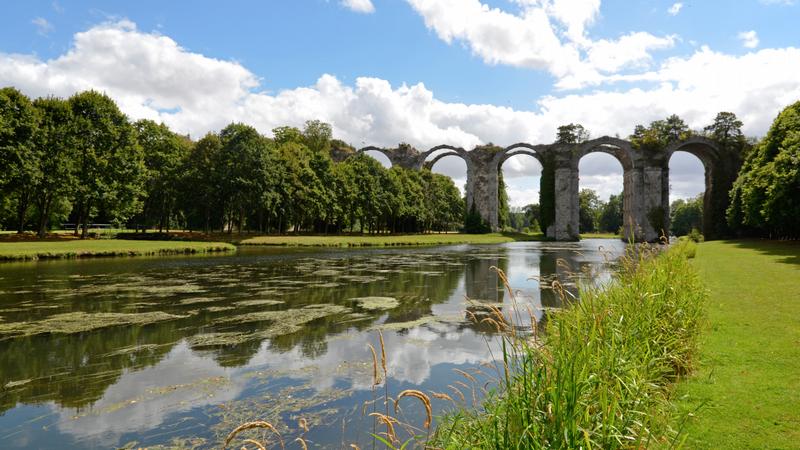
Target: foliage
660, 134
474, 223
109, 162
503, 211
82, 158
764, 198
610, 218
602, 375
547, 193
686, 215
572, 134
590, 207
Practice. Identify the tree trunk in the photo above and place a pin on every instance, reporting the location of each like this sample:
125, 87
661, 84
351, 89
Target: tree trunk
22, 210
44, 215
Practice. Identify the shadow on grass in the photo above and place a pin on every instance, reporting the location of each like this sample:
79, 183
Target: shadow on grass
788, 250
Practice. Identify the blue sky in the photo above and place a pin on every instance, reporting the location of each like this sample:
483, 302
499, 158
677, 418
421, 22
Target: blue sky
426, 72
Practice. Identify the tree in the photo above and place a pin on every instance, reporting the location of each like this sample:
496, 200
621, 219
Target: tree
660, 134
572, 134
19, 158
244, 161
55, 139
164, 153
199, 184
765, 199
686, 215
502, 202
109, 162
611, 215
589, 204
726, 131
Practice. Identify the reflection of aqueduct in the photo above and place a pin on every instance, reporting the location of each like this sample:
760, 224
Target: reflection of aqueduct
645, 174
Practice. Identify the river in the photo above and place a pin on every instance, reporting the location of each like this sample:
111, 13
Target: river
177, 351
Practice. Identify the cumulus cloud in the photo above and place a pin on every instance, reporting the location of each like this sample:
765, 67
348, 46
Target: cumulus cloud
152, 76
545, 34
361, 6
749, 39
675, 9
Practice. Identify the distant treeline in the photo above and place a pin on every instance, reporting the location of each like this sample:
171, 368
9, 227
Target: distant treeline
81, 160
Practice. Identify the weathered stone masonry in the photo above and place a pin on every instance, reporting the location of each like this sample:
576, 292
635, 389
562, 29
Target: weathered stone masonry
645, 181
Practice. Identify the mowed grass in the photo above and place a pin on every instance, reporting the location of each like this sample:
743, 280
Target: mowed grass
33, 250
600, 236
747, 386
387, 240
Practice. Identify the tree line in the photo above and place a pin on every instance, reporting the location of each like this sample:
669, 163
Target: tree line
81, 160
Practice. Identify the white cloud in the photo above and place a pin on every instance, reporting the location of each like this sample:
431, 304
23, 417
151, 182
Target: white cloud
43, 27
533, 38
151, 76
361, 6
675, 9
749, 39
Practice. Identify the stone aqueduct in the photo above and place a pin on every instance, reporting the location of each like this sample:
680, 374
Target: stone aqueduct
645, 175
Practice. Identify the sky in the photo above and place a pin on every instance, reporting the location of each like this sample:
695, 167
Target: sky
425, 72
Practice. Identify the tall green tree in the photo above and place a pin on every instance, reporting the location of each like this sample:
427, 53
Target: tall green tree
610, 220
55, 139
199, 192
590, 206
686, 215
765, 199
164, 155
573, 133
109, 162
19, 157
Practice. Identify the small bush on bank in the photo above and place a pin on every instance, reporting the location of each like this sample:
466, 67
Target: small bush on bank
602, 376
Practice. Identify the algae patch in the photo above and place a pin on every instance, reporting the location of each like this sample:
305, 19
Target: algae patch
376, 303
258, 303
79, 322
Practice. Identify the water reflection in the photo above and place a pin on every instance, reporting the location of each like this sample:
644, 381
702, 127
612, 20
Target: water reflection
245, 332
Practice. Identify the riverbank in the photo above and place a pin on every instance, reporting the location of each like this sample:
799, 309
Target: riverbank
602, 376
76, 248
387, 240
746, 392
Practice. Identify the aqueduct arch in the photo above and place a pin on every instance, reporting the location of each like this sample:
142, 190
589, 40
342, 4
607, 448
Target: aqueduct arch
720, 169
645, 181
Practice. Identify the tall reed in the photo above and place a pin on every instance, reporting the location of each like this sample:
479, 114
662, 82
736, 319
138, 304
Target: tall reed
601, 376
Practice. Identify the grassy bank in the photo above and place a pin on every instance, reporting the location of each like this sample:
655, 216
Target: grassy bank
603, 375
748, 382
387, 240
600, 236
33, 250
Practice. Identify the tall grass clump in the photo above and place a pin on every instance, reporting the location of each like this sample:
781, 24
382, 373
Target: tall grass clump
601, 375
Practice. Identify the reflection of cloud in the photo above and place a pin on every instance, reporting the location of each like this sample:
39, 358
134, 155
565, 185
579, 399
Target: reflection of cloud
142, 400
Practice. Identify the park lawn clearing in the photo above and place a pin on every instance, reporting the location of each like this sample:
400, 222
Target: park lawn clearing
746, 390
34, 250
382, 240
600, 236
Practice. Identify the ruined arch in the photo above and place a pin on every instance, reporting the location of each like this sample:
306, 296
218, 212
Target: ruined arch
719, 172
384, 151
519, 149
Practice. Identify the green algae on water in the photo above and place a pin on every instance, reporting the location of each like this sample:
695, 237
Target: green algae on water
376, 303
79, 322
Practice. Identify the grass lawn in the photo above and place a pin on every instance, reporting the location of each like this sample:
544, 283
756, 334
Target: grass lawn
32, 250
748, 379
388, 240
600, 236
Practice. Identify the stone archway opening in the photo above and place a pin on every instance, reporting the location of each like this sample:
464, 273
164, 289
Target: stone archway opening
519, 181
449, 163
689, 182
379, 156
601, 193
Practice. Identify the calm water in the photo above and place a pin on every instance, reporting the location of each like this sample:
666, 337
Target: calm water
179, 351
